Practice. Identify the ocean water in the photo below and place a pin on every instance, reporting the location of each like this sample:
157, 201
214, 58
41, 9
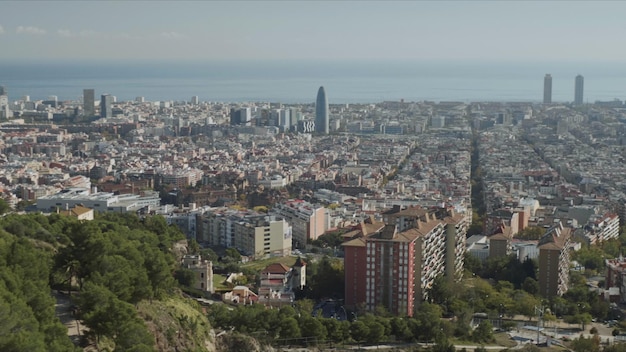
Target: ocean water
297, 82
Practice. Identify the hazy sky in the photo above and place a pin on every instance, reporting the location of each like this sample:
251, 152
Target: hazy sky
204, 30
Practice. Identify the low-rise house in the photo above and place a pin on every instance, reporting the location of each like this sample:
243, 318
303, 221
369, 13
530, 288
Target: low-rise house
279, 283
79, 212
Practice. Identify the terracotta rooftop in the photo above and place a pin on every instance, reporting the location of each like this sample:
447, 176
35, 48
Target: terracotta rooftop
276, 268
555, 238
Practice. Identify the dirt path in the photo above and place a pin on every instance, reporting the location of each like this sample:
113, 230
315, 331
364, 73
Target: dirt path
63, 309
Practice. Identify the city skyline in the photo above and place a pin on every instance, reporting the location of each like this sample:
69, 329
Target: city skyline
62, 30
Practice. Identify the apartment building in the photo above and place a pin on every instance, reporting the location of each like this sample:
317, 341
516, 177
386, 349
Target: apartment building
554, 261
253, 234
602, 228
500, 242
616, 276
395, 264
308, 221
182, 178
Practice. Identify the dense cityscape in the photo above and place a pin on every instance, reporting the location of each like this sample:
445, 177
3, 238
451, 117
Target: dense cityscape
398, 224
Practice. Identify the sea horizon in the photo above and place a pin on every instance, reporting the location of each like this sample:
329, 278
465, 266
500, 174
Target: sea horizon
297, 81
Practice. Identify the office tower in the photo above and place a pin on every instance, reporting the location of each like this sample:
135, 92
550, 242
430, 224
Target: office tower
106, 110
195, 100
306, 126
4, 97
554, 261
241, 116
284, 119
89, 97
321, 112
5, 111
578, 91
547, 89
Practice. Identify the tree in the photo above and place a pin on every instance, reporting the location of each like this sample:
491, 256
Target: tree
209, 254
483, 332
193, 246
616, 347
590, 257
442, 344
426, 322
4, 206
359, 331
442, 291
328, 279
472, 264
312, 328
376, 330
104, 313
233, 255
185, 277
525, 304
333, 327
400, 329
133, 336
583, 344
530, 233
304, 307
289, 328
531, 286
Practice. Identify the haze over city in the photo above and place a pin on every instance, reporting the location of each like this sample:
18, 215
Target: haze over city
311, 30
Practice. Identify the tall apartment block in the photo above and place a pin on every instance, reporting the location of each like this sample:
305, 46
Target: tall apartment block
554, 261
395, 263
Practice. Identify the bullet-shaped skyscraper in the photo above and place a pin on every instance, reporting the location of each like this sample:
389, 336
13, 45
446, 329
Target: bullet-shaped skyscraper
578, 90
321, 112
547, 89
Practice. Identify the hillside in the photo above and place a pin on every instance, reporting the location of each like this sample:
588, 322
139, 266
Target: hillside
177, 324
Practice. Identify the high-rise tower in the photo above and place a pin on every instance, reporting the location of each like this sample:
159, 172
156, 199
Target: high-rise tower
578, 90
89, 97
5, 112
547, 89
105, 106
321, 112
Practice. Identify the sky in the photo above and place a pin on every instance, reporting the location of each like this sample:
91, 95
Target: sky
577, 31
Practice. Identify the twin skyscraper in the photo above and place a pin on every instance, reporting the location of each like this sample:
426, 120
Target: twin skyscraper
578, 89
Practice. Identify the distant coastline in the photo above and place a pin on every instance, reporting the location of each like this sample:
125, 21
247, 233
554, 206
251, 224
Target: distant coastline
297, 81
